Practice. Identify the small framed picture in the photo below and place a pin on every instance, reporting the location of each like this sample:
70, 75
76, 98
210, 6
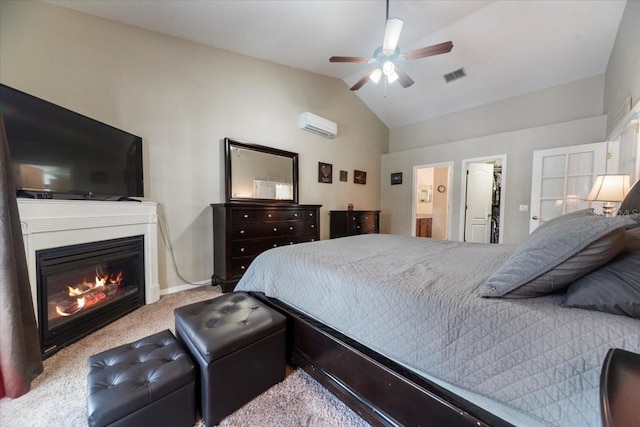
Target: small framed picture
359, 177
343, 176
325, 173
396, 178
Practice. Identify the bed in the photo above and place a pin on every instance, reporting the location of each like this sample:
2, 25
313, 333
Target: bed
417, 331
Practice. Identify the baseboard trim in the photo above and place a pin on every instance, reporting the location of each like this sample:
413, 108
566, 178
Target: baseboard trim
184, 287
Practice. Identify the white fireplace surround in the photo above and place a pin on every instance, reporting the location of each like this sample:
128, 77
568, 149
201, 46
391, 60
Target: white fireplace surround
50, 224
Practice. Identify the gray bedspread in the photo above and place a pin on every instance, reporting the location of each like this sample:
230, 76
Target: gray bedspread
415, 300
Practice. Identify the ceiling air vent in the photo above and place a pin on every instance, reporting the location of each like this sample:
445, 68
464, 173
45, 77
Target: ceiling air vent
455, 75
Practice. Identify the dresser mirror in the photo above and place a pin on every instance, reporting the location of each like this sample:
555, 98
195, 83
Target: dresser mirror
255, 173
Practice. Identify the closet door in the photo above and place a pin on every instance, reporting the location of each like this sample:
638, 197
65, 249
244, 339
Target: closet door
562, 178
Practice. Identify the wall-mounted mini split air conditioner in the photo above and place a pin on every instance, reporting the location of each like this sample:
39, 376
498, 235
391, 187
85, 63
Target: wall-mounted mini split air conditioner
318, 125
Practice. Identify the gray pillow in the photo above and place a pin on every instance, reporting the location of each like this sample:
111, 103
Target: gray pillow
564, 250
582, 213
613, 288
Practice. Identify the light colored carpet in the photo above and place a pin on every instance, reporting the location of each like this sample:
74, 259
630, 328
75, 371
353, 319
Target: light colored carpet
58, 396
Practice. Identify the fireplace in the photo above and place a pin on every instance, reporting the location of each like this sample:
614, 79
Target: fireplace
83, 287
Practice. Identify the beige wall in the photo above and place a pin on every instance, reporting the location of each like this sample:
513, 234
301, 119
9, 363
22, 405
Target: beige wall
623, 70
182, 98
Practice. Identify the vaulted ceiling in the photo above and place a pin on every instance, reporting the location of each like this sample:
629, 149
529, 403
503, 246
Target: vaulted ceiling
507, 48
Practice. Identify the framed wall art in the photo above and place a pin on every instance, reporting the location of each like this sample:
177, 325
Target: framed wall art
359, 177
343, 176
325, 173
396, 178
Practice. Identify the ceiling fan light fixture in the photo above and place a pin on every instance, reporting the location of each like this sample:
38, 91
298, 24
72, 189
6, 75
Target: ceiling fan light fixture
375, 75
388, 68
389, 54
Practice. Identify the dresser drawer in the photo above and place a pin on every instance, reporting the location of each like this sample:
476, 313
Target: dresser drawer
250, 247
248, 215
298, 227
282, 215
354, 227
256, 230
275, 214
369, 224
239, 265
301, 238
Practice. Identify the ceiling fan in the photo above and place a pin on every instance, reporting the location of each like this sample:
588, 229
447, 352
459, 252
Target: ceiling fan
388, 55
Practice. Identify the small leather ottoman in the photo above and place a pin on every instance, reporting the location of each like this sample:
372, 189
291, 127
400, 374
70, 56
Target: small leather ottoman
239, 345
150, 382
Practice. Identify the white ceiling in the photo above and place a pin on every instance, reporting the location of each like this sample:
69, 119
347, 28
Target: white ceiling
508, 48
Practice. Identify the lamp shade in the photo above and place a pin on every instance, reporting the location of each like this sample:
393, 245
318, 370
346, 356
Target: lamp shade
609, 188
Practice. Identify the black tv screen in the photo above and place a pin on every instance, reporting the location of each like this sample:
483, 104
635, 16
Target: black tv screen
55, 151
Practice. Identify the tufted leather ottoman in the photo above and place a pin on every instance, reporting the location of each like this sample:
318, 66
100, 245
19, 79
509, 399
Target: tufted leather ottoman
239, 344
148, 382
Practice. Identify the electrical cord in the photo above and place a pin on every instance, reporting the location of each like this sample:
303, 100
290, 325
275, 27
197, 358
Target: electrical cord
166, 238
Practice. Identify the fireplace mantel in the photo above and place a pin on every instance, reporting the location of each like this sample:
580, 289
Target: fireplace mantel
53, 223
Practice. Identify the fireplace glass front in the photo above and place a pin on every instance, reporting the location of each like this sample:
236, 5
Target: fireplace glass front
82, 288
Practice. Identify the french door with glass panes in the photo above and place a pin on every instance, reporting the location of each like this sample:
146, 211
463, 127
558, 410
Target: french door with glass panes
562, 178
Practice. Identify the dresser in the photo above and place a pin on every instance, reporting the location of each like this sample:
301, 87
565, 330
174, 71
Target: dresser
350, 223
423, 227
241, 231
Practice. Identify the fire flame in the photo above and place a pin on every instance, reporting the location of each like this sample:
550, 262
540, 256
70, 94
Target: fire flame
87, 294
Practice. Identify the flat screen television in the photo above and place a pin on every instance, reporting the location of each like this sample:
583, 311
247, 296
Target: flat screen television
58, 153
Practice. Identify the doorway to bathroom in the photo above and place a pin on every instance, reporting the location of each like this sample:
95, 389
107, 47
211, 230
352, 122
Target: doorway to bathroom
432, 200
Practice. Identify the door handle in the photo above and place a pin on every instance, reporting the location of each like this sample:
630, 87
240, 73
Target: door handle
535, 217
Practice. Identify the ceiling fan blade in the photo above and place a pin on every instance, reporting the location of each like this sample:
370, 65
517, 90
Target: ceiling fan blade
436, 49
392, 35
403, 78
358, 59
362, 81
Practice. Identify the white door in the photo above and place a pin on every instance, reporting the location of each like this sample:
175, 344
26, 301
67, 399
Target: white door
478, 203
562, 178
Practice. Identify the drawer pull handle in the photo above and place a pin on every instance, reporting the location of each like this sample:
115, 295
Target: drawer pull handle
275, 245
241, 231
242, 267
313, 240
290, 228
295, 215
291, 243
313, 226
310, 214
275, 229
241, 249
269, 215
246, 215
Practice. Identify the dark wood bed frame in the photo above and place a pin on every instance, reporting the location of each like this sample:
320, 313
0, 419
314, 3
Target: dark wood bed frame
379, 390
385, 393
